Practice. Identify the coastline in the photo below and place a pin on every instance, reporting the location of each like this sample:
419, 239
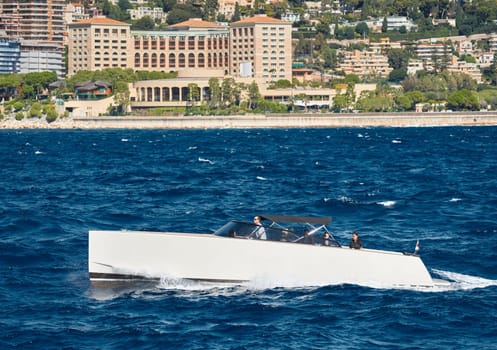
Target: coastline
297, 120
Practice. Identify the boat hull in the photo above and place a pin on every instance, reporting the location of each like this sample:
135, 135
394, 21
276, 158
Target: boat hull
128, 255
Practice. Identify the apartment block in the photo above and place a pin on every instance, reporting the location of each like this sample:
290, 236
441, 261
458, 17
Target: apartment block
156, 13
432, 54
10, 52
464, 47
365, 63
261, 49
470, 69
227, 7
485, 59
98, 43
39, 26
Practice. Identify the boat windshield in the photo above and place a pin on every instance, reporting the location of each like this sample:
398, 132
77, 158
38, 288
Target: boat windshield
299, 234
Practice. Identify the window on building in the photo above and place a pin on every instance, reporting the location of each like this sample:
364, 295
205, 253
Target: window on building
162, 60
191, 42
191, 60
145, 60
181, 60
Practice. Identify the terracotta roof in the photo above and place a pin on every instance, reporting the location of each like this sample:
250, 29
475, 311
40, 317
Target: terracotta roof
195, 22
100, 20
260, 19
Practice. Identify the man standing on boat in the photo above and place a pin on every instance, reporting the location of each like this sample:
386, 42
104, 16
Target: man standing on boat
259, 232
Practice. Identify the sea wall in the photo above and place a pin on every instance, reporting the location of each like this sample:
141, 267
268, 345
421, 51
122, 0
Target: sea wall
303, 120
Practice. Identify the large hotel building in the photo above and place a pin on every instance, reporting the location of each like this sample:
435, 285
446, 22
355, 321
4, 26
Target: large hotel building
254, 49
258, 48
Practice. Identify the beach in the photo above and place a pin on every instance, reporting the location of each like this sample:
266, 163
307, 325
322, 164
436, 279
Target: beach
297, 120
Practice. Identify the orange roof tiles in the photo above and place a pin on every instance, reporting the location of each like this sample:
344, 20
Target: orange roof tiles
195, 22
259, 19
100, 20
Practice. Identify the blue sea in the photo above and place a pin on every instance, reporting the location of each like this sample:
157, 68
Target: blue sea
393, 185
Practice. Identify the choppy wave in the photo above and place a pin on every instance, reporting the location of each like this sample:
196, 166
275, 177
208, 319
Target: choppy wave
394, 186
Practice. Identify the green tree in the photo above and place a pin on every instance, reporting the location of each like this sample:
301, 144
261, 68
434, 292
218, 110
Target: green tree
210, 10
28, 91
398, 58
144, 23
384, 25
463, 100
236, 14
35, 110
215, 92
121, 96
397, 75
340, 103
39, 80
193, 93
11, 80
404, 102
50, 112
362, 29
330, 58
352, 78
253, 95
182, 12
231, 92
489, 96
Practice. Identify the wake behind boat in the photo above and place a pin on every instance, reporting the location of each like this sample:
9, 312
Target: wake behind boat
294, 249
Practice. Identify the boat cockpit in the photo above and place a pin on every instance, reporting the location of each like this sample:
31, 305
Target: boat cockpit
294, 229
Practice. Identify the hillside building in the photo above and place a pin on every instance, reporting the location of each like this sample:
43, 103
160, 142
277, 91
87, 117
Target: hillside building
365, 63
39, 26
261, 49
98, 43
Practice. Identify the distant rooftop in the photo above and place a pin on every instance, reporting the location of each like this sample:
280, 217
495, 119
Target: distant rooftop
262, 18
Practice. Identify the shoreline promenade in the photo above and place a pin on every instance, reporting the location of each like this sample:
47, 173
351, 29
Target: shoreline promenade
297, 120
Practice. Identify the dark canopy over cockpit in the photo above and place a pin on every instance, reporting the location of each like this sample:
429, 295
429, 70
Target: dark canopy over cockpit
297, 219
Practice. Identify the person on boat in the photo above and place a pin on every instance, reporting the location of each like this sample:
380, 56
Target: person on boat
260, 231
308, 239
326, 238
355, 242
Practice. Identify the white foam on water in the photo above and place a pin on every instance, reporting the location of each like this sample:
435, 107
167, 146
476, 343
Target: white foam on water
204, 160
452, 200
261, 178
387, 204
459, 281
452, 281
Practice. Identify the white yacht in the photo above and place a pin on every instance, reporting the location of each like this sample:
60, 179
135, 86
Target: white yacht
292, 250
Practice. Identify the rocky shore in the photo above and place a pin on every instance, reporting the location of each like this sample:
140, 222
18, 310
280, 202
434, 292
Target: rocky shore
302, 120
